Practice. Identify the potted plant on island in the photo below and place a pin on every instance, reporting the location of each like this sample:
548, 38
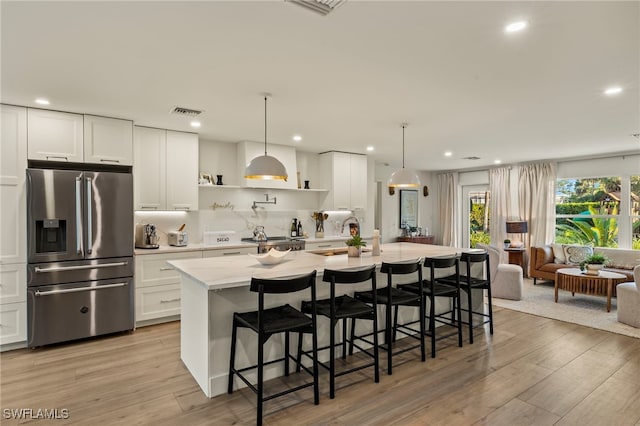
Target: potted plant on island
507, 243
593, 264
355, 245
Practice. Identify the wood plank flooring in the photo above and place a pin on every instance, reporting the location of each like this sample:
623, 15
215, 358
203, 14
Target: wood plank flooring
532, 371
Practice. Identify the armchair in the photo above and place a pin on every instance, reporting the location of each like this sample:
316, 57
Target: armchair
506, 279
629, 300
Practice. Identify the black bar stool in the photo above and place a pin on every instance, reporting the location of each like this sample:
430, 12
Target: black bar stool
469, 283
338, 308
392, 298
433, 288
281, 319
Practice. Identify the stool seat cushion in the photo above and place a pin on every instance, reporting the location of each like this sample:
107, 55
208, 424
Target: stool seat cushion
276, 320
398, 297
346, 307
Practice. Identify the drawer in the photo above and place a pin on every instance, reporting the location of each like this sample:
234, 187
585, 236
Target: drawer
229, 252
157, 302
13, 323
153, 270
13, 283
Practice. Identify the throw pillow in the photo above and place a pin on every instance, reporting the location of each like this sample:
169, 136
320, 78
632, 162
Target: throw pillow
576, 254
558, 253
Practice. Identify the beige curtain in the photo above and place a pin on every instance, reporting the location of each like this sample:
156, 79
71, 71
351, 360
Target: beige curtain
536, 201
499, 204
448, 202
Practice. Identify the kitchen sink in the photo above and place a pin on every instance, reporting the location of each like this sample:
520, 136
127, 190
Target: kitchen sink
334, 251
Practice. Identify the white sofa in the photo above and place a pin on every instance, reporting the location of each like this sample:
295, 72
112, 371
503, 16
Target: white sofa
629, 300
506, 279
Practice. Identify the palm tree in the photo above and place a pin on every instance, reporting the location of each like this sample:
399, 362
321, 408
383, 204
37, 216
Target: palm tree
601, 232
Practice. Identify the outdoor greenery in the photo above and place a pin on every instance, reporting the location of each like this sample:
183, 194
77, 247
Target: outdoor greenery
599, 232
478, 225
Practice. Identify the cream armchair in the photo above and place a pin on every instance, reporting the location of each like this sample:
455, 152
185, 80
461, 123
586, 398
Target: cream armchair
629, 300
506, 279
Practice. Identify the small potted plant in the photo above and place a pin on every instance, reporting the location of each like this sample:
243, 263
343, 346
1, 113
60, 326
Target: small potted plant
507, 243
593, 264
355, 245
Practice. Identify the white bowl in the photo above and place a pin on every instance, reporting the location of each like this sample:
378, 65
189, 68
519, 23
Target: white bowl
272, 257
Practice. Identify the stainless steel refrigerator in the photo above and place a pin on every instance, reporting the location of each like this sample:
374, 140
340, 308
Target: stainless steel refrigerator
80, 254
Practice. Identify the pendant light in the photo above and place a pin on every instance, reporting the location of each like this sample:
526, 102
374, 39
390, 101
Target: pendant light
403, 178
266, 167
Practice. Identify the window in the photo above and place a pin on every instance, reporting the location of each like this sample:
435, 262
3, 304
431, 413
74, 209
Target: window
598, 211
478, 218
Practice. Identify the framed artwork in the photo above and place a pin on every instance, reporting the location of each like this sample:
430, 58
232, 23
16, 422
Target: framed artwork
205, 179
408, 208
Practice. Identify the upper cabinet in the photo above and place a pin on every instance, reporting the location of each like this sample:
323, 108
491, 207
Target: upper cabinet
165, 169
345, 175
108, 140
55, 136
64, 136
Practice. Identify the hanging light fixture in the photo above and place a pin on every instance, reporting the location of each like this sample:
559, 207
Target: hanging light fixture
403, 178
265, 167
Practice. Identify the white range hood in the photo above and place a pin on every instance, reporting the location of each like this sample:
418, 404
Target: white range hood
248, 150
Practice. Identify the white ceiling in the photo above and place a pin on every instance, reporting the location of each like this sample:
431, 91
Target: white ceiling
346, 80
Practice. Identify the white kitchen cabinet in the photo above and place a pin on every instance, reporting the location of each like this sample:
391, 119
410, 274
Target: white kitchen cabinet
317, 245
13, 192
219, 252
13, 323
345, 175
108, 140
55, 136
158, 286
13, 283
165, 169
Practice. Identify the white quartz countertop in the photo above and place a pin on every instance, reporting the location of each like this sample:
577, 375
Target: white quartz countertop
191, 247
227, 272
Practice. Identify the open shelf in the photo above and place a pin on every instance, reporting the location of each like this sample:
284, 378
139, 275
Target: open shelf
250, 187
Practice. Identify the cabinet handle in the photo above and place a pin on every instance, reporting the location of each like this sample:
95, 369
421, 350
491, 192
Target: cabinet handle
58, 157
184, 207
167, 268
170, 300
324, 245
230, 252
104, 160
149, 207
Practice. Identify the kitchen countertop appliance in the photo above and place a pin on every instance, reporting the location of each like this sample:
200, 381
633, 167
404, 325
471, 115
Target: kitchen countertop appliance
146, 236
80, 253
278, 243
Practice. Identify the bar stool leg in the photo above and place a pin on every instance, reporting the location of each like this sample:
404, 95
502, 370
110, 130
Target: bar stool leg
234, 334
432, 324
353, 333
490, 309
376, 358
423, 352
344, 338
332, 361
286, 353
299, 357
395, 322
387, 337
470, 313
260, 394
458, 303
316, 387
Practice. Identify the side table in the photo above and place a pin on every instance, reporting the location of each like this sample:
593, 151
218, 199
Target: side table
516, 257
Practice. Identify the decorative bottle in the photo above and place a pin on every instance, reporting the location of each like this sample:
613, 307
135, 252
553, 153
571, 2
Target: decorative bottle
299, 228
375, 251
294, 228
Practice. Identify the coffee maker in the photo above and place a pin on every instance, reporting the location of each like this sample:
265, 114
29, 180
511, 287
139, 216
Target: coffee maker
146, 236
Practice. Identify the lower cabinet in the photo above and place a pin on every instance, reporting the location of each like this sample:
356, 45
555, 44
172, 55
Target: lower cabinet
229, 252
13, 323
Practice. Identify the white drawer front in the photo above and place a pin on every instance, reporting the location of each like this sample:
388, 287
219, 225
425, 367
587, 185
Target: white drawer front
153, 270
13, 283
157, 302
13, 323
229, 252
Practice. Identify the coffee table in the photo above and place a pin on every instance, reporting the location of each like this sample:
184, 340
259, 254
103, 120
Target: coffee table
575, 281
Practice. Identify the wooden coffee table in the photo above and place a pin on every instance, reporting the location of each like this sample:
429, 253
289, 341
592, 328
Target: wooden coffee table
575, 281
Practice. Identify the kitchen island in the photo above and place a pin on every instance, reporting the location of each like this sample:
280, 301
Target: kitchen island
214, 288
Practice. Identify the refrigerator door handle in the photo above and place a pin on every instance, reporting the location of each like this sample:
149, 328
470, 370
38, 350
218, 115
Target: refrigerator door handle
78, 215
80, 267
89, 217
76, 290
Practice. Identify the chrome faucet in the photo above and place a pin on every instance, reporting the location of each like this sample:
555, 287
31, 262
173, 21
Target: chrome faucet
351, 218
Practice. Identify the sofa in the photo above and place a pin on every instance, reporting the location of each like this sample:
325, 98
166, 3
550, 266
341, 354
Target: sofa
544, 261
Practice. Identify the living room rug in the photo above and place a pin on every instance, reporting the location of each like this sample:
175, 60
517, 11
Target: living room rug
590, 311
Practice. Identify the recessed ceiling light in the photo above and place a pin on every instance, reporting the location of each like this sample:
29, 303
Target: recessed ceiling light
515, 27
195, 124
613, 91
370, 148
497, 161
297, 138
448, 154
41, 101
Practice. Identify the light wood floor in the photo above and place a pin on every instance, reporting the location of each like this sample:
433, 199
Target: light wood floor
533, 370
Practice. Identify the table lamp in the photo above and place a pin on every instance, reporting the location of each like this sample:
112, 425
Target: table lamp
517, 227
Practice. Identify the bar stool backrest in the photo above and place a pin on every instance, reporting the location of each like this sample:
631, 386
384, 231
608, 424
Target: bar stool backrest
349, 276
471, 258
441, 262
401, 268
284, 284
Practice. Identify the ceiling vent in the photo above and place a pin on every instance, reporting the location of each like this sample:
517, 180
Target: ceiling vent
471, 158
187, 112
322, 7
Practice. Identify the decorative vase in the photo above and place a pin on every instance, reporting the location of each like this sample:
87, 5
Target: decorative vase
506, 245
306, 184
353, 251
594, 269
219, 181
319, 234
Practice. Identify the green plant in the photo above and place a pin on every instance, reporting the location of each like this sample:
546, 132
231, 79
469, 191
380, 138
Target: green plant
507, 241
356, 241
594, 259
479, 237
598, 231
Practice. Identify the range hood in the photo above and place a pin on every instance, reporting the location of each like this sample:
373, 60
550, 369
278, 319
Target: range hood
248, 150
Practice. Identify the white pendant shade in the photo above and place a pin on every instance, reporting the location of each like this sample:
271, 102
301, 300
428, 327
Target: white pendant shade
266, 167
403, 178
